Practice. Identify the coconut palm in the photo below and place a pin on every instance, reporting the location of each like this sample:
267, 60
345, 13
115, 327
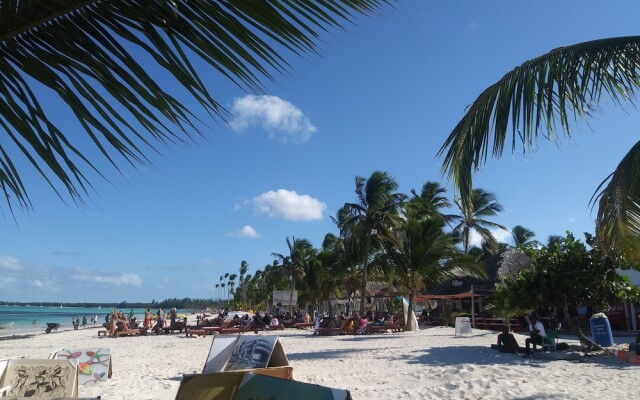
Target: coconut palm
293, 263
568, 82
372, 216
244, 267
430, 201
480, 206
419, 254
522, 237
232, 283
95, 58
217, 288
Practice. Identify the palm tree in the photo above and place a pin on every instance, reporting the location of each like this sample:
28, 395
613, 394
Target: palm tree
217, 288
294, 262
372, 216
221, 278
232, 284
223, 285
430, 201
473, 213
419, 254
87, 65
522, 237
244, 267
555, 241
567, 82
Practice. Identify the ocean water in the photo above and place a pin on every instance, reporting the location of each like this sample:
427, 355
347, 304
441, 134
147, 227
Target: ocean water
34, 319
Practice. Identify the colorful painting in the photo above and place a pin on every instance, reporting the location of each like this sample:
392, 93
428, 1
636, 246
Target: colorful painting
94, 365
41, 378
232, 353
255, 387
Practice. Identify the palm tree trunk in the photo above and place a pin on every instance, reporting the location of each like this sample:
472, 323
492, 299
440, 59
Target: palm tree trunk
293, 287
364, 275
408, 324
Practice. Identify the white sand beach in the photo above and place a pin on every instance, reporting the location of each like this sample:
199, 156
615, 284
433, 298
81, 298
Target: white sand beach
427, 364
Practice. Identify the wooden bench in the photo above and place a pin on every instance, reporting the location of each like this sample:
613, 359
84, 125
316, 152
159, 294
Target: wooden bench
196, 332
103, 332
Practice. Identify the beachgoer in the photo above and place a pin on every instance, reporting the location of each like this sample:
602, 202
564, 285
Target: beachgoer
112, 322
507, 343
95, 319
84, 321
536, 330
173, 315
147, 318
424, 317
160, 323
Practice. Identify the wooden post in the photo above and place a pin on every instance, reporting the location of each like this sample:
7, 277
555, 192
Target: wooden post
473, 308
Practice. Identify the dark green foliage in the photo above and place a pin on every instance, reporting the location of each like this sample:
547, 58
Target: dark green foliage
567, 275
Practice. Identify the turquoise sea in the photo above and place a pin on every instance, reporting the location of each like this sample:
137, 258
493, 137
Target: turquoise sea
34, 319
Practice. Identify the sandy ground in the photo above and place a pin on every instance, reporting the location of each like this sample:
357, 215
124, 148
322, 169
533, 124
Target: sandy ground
428, 364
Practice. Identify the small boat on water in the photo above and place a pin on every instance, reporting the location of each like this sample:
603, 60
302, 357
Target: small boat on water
6, 325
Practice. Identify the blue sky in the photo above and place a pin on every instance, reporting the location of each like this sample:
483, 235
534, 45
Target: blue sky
382, 96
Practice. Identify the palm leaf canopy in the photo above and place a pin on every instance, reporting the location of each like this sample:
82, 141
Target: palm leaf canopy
537, 96
94, 56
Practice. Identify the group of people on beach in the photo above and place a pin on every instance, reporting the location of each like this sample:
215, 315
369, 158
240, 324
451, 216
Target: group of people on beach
507, 342
75, 321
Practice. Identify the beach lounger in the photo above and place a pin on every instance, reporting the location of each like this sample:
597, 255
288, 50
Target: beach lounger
130, 332
304, 325
275, 327
240, 328
196, 332
331, 331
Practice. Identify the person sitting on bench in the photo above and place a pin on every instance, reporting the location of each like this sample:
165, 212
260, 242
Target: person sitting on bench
536, 330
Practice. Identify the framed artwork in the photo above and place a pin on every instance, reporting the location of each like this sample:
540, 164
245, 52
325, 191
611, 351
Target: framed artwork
41, 378
94, 365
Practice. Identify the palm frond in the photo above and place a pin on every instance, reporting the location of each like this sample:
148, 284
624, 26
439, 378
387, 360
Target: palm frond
618, 221
566, 83
94, 56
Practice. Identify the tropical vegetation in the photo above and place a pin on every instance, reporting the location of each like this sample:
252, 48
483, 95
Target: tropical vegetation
116, 64
569, 82
400, 242
567, 275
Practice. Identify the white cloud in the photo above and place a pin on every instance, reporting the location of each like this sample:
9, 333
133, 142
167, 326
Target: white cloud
501, 235
7, 282
123, 279
246, 232
288, 205
277, 116
10, 263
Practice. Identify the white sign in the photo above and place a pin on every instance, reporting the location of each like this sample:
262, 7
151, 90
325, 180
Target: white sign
463, 325
283, 296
